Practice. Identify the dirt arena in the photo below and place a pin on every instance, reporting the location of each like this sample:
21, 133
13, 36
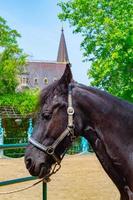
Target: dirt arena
80, 178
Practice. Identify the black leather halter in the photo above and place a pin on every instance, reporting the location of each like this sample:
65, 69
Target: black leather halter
69, 131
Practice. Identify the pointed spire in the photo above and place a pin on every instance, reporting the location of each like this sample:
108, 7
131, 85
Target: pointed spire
62, 51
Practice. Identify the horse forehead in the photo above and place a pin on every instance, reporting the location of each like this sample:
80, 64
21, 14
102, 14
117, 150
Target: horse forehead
51, 101
48, 99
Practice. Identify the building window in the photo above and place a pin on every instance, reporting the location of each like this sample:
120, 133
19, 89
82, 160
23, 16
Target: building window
27, 81
24, 81
35, 81
45, 81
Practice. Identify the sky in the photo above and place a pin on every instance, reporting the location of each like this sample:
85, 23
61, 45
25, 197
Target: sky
37, 22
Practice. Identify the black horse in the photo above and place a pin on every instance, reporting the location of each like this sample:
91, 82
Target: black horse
69, 110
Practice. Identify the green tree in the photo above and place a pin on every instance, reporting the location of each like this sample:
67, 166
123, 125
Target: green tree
107, 30
25, 102
12, 58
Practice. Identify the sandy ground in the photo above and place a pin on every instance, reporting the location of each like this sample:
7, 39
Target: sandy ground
80, 178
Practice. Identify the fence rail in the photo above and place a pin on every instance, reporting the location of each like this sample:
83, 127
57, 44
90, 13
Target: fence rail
13, 146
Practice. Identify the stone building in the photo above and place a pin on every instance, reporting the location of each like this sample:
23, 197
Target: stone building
38, 74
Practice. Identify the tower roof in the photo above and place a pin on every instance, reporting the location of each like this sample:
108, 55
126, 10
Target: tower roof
62, 51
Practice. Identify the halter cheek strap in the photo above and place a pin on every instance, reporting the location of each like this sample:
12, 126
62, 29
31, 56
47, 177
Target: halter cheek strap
69, 131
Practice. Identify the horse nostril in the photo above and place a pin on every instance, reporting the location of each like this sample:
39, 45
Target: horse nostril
28, 162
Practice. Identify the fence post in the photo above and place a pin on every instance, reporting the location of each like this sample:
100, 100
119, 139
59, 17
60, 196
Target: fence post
30, 128
44, 191
85, 145
1, 137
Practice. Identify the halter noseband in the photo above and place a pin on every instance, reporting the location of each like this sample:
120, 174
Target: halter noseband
69, 131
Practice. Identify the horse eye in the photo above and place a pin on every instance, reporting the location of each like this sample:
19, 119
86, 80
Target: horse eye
46, 116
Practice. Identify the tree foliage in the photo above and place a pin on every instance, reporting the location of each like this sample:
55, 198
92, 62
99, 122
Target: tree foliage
107, 30
12, 58
25, 102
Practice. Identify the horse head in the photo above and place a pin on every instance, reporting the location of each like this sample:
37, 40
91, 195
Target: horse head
55, 128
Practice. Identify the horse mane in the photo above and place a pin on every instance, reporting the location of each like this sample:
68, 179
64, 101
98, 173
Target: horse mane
47, 92
110, 98
54, 88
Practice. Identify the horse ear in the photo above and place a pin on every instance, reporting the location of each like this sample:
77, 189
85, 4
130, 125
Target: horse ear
67, 76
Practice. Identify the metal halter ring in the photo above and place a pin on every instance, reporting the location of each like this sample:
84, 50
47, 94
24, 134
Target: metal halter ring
70, 111
50, 150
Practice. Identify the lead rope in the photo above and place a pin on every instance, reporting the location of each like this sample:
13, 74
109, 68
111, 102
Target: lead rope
24, 188
44, 180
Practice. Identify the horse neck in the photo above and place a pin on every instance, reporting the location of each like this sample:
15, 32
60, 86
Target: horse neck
96, 107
